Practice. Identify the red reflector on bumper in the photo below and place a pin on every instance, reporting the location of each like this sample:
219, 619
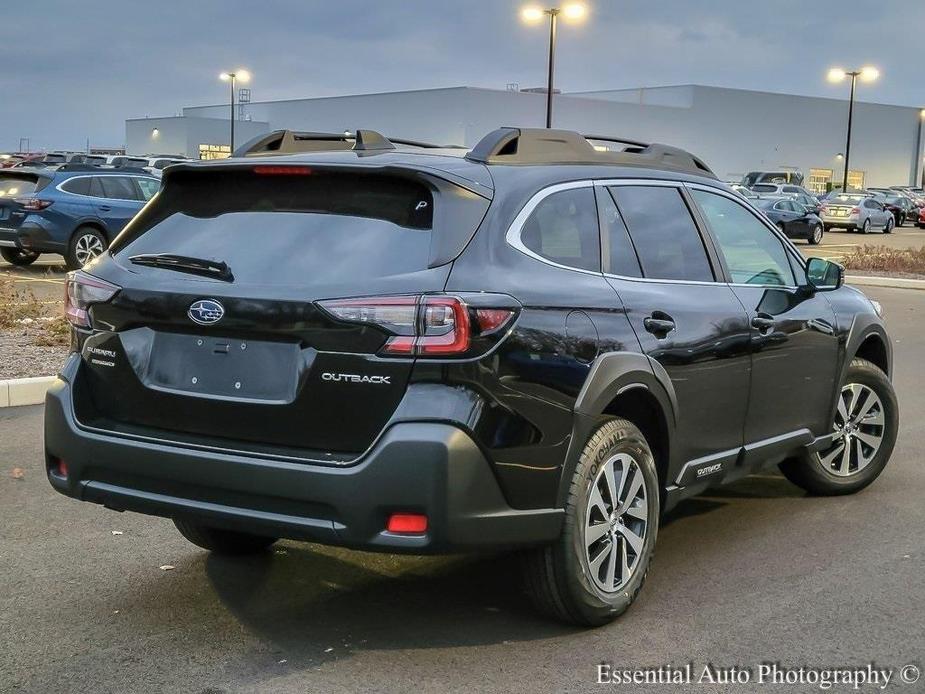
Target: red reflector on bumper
59, 467
409, 523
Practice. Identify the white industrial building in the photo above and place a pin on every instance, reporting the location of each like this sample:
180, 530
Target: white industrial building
733, 130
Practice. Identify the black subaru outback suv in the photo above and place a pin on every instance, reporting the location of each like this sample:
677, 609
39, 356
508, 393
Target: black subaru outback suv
539, 344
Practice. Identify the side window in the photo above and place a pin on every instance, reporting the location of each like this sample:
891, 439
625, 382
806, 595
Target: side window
96, 188
615, 239
148, 187
564, 229
663, 232
118, 188
77, 186
754, 255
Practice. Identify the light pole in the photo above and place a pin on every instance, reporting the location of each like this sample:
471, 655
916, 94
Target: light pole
233, 77
837, 74
573, 12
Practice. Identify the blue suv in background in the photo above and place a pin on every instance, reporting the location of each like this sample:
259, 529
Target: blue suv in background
75, 211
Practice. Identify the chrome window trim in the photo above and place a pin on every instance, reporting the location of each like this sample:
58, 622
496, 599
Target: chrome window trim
512, 236
103, 173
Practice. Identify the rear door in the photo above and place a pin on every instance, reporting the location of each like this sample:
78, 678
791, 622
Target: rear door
119, 201
693, 326
262, 359
793, 342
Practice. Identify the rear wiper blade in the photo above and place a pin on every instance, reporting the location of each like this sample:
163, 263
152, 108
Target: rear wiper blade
181, 263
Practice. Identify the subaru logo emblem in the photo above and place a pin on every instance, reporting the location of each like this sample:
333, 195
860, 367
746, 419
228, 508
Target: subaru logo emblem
206, 311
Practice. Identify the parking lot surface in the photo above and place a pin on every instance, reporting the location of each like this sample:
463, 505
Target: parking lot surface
756, 572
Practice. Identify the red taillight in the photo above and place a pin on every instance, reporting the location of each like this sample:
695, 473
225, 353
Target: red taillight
445, 326
856, 210
490, 319
80, 292
429, 326
32, 204
407, 523
275, 170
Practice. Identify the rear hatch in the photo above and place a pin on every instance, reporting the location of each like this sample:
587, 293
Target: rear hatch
17, 190
232, 347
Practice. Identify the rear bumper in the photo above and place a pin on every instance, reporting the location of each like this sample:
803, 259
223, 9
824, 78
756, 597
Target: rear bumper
419, 467
31, 237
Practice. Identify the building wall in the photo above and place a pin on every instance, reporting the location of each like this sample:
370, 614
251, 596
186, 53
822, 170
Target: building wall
179, 135
734, 131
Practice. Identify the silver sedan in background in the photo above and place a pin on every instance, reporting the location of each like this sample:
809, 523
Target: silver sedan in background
855, 212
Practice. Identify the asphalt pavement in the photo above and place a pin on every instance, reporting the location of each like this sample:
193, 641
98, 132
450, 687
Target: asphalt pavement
753, 573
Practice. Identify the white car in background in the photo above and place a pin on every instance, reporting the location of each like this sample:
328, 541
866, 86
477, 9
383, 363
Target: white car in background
156, 165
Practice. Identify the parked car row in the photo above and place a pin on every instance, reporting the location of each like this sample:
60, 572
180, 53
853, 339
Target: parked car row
152, 163
800, 214
74, 210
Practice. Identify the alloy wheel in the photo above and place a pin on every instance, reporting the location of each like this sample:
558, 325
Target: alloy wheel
87, 248
817, 234
859, 427
616, 522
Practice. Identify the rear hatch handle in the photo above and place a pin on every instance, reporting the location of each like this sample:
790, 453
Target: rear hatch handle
180, 263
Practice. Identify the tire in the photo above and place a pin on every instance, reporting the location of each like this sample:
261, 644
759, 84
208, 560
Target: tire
809, 470
866, 228
559, 578
815, 236
17, 257
902, 220
86, 243
889, 226
227, 542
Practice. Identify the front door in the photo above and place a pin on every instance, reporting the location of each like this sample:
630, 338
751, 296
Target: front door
692, 326
794, 345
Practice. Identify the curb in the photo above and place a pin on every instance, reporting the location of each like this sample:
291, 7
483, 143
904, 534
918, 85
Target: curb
24, 391
892, 282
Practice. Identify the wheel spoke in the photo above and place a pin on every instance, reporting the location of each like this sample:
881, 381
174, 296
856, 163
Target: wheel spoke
597, 501
829, 456
855, 391
640, 511
870, 439
633, 488
596, 532
599, 559
845, 459
634, 540
842, 410
624, 563
611, 484
611, 569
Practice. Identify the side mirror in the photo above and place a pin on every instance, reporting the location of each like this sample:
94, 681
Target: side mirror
824, 275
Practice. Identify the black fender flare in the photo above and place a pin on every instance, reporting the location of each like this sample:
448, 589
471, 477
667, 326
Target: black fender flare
611, 374
863, 326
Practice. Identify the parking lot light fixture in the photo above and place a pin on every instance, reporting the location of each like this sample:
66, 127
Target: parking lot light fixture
240, 75
572, 12
868, 73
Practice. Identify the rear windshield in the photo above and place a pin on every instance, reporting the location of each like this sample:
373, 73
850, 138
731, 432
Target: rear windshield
764, 188
20, 184
289, 229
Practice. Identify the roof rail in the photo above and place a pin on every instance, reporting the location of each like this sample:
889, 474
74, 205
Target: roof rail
547, 146
294, 142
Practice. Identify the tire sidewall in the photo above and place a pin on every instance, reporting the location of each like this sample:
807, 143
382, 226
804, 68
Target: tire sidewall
591, 600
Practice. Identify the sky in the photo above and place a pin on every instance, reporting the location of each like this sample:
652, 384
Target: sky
75, 70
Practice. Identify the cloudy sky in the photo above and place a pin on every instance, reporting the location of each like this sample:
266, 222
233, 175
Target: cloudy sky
76, 70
